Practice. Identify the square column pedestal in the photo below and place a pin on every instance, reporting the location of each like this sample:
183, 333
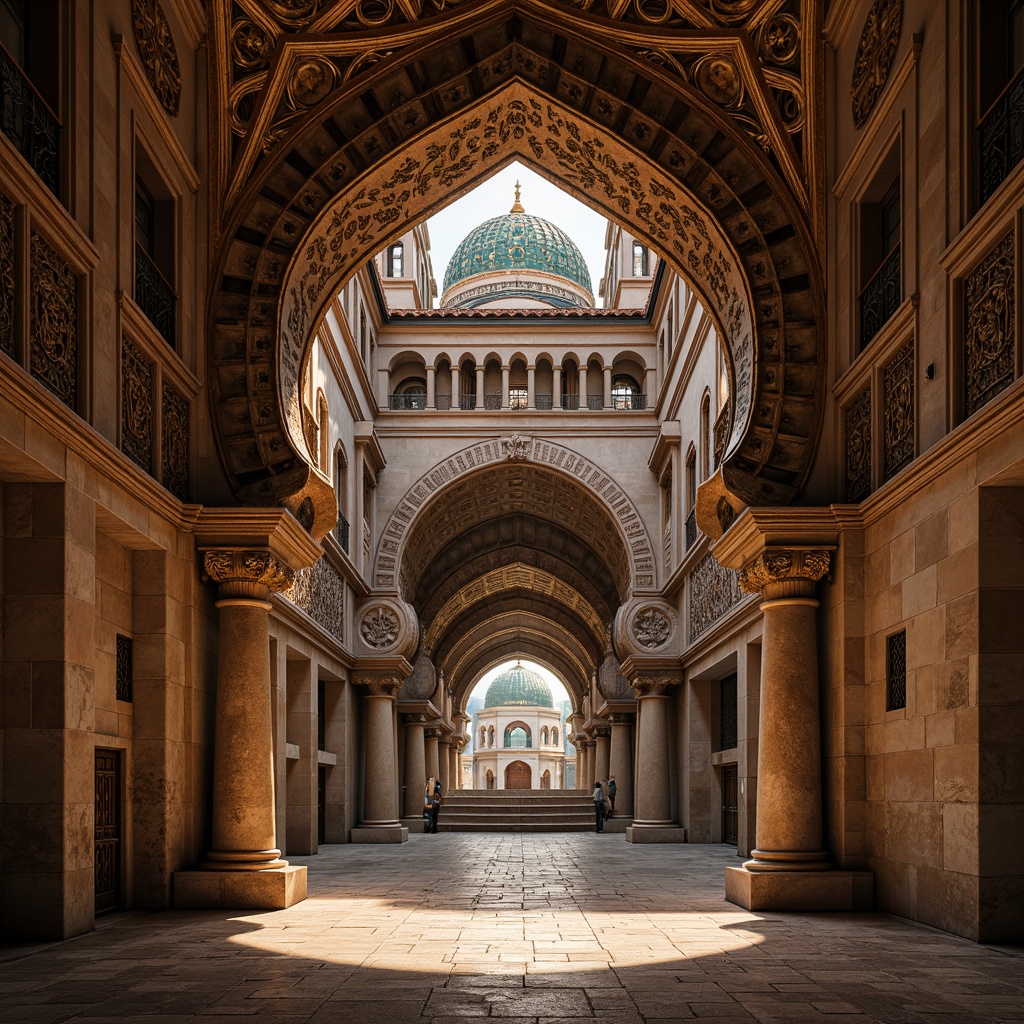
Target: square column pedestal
273, 889
646, 834
800, 890
378, 834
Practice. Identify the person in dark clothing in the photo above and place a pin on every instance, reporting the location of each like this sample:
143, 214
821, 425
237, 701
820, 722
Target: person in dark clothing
611, 794
435, 806
600, 803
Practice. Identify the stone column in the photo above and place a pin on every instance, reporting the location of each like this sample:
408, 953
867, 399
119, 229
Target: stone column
433, 735
454, 775
621, 766
455, 387
243, 867
415, 766
652, 819
602, 753
444, 763
556, 387
430, 387
531, 387
505, 372
479, 387
583, 385
789, 818
607, 387
380, 822
789, 868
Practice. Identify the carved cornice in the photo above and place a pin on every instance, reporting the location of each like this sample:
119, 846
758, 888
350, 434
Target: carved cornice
791, 569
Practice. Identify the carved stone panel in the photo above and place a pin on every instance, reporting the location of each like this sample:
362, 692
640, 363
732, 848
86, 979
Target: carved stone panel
989, 332
858, 446
53, 321
898, 396
875, 55
174, 448
713, 591
136, 406
6, 275
159, 56
320, 592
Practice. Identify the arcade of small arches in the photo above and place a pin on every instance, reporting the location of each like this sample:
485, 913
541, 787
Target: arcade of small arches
618, 382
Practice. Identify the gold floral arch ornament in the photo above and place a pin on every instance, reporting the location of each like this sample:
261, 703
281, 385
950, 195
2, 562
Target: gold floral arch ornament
159, 56
875, 54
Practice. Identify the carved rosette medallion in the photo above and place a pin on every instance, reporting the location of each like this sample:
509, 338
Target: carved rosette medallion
990, 333
159, 56
516, 448
875, 55
379, 628
651, 629
243, 573
792, 569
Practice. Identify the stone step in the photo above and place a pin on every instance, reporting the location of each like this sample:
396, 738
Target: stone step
527, 826
516, 810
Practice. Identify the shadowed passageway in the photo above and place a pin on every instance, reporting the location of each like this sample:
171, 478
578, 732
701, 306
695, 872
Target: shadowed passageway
524, 928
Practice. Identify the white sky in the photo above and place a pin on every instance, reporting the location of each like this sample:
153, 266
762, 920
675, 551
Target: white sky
539, 197
558, 691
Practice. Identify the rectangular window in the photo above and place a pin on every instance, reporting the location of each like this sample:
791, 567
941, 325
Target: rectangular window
321, 715
880, 257
727, 729
123, 671
896, 671
1000, 99
517, 398
155, 248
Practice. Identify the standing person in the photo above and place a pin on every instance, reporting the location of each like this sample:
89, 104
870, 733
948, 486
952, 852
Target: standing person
599, 801
611, 794
435, 805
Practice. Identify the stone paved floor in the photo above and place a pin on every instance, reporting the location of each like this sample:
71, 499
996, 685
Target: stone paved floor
522, 928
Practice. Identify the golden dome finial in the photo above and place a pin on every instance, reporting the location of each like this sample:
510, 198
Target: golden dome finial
517, 207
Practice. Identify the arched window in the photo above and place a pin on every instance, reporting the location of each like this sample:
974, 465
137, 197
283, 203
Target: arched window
641, 260
341, 489
545, 780
396, 260
490, 779
626, 393
544, 736
490, 736
483, 735
517, 736
554, 737
705, 437
323, 433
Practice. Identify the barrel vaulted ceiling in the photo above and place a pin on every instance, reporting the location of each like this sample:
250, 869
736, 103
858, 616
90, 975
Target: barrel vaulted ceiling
692, 122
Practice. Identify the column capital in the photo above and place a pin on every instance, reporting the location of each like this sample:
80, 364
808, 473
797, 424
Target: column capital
433, 732
384, 681
621, 718
652, 677
790, 571
602, 730
246, 572
414, 719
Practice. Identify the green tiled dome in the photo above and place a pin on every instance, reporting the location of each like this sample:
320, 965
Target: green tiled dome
519, 687
517, 241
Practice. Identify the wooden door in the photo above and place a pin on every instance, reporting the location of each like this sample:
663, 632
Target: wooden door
730, 805
108, 831
518, 776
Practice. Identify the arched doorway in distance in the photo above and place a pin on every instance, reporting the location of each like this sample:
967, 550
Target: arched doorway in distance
518, 775
545, 780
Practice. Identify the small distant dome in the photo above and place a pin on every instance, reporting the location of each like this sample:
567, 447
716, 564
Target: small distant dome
517, 259
519, 687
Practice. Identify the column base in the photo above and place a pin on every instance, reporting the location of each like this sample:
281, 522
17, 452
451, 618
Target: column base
378, 834
799, 890
414, 825
655, 834
271, 889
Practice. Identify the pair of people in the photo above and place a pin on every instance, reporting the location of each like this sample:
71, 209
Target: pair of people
604, 803
432, 799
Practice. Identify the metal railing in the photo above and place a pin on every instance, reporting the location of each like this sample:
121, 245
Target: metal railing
691, 528
1001, 137
570, 402
29, 124
154, 295
880, 298
544, 403
633, 402
595, 403
407, 402
442, 402
493, 402
467, 402
341, 532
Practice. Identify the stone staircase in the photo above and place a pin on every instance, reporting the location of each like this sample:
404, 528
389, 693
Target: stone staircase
516, 810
